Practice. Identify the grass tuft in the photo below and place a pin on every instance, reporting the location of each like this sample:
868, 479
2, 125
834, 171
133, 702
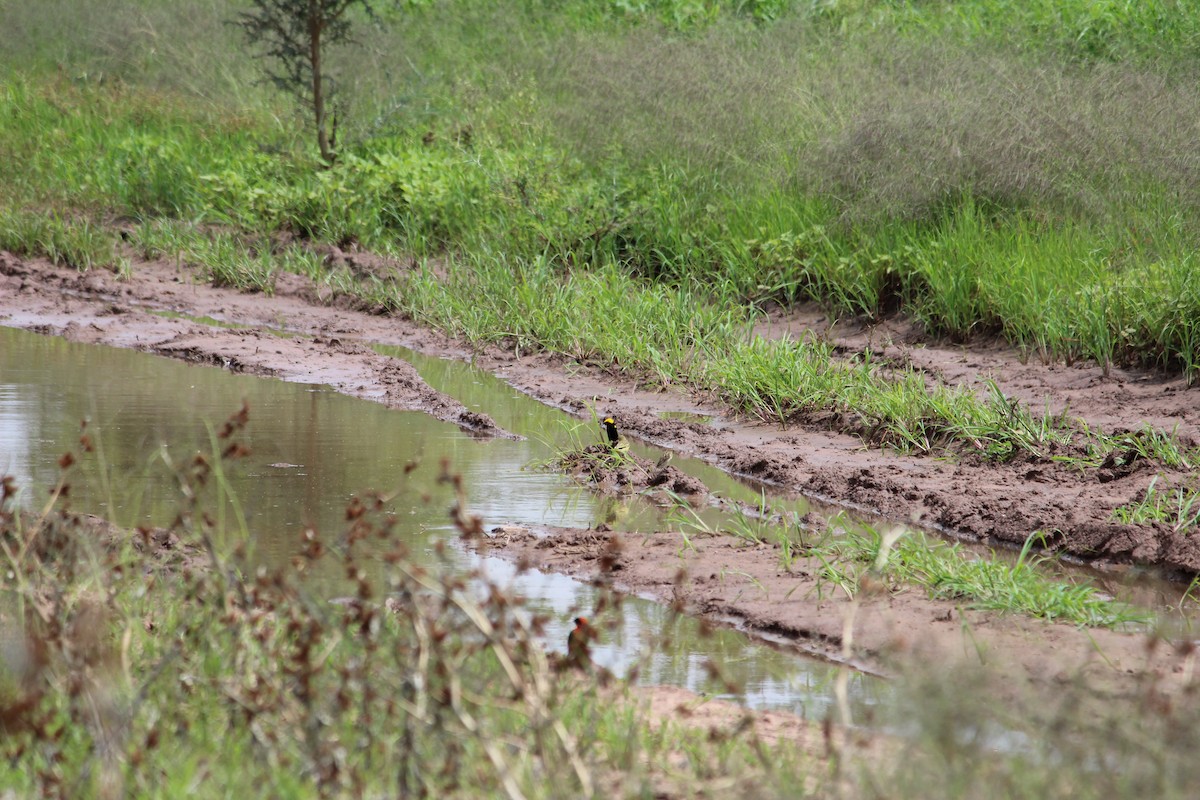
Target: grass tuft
948, 572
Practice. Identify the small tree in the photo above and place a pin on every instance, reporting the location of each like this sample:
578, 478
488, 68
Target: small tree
291, 35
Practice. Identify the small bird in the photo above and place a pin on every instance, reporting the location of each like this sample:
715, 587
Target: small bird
579, 642
615, 440
610, 426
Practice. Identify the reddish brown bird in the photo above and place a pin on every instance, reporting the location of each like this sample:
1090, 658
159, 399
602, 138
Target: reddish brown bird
579, 642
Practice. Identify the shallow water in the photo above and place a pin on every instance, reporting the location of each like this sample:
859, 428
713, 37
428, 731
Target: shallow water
516, 412
313, 449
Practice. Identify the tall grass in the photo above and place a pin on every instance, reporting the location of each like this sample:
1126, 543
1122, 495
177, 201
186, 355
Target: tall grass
966, 175
161, 663
80, 244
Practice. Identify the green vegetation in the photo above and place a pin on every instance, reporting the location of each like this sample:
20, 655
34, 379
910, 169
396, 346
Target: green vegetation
224, 258
948, 572
292, 38
849, 556
1177, 506
168, 662
629, 184
74, 243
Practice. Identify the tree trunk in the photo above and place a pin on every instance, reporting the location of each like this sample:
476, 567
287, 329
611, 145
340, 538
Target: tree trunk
316, 22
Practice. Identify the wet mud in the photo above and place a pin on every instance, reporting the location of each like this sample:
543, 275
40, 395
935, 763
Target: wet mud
303, 333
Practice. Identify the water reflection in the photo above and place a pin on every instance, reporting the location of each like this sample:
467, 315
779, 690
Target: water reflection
312, 449
669, 649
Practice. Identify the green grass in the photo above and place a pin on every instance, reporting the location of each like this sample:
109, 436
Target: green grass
1175, 506
77, 243
1083, 256
948, 572
845, 556
225, 258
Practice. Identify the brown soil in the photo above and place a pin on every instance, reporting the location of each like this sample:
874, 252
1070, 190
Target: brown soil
623, 472
995, 503
883, 630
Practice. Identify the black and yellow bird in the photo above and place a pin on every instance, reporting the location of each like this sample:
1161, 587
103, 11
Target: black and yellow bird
615, 440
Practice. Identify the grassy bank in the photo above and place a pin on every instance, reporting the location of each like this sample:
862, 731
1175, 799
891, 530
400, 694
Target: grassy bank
988, 168
536, 250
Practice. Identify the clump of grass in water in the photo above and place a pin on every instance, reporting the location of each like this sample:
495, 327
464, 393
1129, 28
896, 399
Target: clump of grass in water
603, 462
134, 672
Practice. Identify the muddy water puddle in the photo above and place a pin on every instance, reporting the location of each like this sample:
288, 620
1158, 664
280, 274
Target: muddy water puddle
515, 411
558, 431
313, 449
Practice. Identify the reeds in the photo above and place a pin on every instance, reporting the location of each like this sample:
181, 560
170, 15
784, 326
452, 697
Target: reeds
164, 662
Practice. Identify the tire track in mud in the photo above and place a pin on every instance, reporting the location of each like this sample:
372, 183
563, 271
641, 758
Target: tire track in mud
996, 503
990, 502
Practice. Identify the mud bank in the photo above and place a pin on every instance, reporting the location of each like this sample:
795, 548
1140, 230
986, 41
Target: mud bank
999, 503
301, 333
885, 630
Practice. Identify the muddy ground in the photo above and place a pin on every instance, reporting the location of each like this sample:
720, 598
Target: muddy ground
973, 499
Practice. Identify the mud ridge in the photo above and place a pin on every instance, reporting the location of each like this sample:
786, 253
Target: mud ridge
326, 341
724, 580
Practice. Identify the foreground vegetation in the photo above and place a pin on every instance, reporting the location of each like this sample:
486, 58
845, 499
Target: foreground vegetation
163, 662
